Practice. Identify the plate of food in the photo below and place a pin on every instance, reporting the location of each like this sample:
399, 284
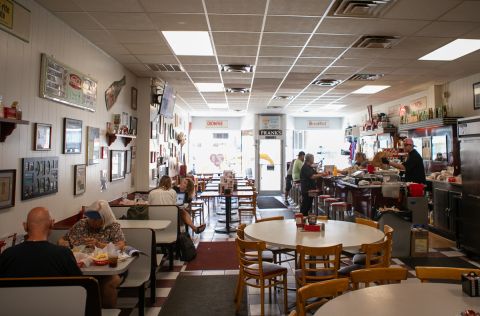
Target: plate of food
100, 259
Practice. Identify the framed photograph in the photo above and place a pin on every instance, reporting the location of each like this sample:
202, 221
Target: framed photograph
128, 168
104, 152
93, 145
72, 136
154, 129
117, 164
133, 125
134, 151
133, 102
124, 119
80, 179
43, 137
7, 187
39, 177
476, 96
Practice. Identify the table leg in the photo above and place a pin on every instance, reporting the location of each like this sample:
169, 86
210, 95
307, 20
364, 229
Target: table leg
228, 209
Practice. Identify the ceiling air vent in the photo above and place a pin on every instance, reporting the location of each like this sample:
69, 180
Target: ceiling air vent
326, 82
360, 8
165, 67
237, 68
362, 77
283, 97
237, 90
368, 41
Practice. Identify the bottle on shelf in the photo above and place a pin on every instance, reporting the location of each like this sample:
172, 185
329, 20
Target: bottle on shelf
1, 106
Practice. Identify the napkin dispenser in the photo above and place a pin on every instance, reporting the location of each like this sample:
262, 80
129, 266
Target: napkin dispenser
470, 284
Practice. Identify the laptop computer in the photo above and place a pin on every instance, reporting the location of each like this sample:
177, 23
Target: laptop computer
180, 198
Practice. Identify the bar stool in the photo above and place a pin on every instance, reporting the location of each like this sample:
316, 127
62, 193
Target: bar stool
326, 206
296, 193
338, 210
321, 199
315, 194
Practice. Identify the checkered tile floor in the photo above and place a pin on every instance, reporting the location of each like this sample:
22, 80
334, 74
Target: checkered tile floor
166, 279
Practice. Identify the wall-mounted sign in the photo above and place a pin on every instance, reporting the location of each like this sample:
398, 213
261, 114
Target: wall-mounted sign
270, 132
418, 105
393, 110
65, 85
403, 110
317, 124
216, 124
6, 13
270, 122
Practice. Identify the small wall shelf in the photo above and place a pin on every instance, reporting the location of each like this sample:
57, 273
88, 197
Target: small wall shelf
126, 138
8, 125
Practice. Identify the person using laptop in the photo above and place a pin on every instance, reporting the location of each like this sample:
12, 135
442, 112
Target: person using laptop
185, 194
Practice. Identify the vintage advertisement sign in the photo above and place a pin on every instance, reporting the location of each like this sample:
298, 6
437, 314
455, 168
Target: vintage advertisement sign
216, 124
418, 105
317, 124
63, 84
270, 122
6, 13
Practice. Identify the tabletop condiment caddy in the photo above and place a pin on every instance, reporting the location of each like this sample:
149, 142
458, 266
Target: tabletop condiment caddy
470, 284
308, 223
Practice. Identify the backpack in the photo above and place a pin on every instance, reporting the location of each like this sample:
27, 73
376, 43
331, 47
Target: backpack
186, 248
138, 212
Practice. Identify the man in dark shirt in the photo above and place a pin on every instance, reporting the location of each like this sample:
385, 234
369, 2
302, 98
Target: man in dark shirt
307, 182
413, 166
36, 257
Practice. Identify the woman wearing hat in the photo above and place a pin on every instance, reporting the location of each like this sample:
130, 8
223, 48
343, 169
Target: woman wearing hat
413, 166
97, 230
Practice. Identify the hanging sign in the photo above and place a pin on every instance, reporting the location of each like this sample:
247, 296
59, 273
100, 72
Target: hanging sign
6, 13
419, 104
270, 132
216, 124
317, 123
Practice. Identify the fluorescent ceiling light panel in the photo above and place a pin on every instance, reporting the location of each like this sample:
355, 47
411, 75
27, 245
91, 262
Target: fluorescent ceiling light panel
453, 50
210, 87
218, 105
370, 89
185, 43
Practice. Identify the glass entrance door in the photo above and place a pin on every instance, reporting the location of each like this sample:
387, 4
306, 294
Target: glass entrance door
270, 163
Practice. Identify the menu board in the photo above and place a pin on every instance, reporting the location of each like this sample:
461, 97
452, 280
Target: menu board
65, 85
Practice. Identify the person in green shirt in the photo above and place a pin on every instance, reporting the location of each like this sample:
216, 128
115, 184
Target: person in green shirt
297, 166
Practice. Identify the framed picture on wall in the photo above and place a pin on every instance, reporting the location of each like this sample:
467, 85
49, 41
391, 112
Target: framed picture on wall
72, 136
43, 137
117, 164
133, 125
80, 179
476, 95
128, 167
93, 145
133, 103
7, 188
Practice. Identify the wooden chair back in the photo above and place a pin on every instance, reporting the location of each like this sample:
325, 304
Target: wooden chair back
322, 217
325, 289
367, 222
378, 275
240, 231
318, 263
426, 274
376, 254
250, 258
273, 218
388, 231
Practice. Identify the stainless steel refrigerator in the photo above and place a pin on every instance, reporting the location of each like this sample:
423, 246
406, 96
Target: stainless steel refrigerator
469, 213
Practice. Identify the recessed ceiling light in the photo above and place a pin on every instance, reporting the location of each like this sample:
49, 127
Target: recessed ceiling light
334, 106
453, 50
237, 68
237, 90
209, 87
218, 105
370, 89
283, 97
189, 43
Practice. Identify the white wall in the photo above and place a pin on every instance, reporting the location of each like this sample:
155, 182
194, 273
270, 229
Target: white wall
19, 80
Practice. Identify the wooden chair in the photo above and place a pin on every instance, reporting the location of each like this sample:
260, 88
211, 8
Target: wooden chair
377, 275
52, 296
372, 256
197, 210
367, 222
248, 208
388, 231
273, 218
322, 217
317, 263
426, 274
277, 252
326, 289
267, 255
255, 272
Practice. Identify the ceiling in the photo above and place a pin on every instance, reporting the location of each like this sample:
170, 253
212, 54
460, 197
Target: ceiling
291, 43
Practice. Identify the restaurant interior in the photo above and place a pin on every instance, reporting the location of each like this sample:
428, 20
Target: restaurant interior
240, 157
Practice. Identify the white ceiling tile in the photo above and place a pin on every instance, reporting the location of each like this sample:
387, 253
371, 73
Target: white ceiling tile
59, 5
235, 6
279, 51
447, 29
200, 60
270, 75
357, 62
291, 24
239, 50
113, 48
193, 68
322, 52
123, 21
126, 58
157, 59
314, 61
298, 7
173, 6
275, 61
284, 39
236, 23
179, 22
281, 69
333, 40
235, 38
137, 36
79, 20
136, 67
109, 5
148, 48
236, 60
466, 11
99, 36
236, 75
420, 10
308, 69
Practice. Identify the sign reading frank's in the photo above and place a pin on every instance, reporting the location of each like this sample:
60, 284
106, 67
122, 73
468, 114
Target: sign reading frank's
270, 132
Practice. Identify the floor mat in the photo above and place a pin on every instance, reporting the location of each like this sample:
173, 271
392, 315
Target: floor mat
453, 262
210, 295
217, 255
287, 214
269, 202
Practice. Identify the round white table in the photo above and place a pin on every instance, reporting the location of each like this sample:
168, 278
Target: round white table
284, 233
402, 299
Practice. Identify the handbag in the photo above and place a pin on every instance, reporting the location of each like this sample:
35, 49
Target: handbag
138, 212
186, 247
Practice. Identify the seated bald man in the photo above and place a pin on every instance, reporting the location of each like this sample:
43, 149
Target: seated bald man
36, 257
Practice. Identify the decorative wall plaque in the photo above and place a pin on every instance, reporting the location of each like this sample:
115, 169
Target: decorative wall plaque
39, 177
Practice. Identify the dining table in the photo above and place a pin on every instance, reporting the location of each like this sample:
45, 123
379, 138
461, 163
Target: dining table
407, 298
96, 270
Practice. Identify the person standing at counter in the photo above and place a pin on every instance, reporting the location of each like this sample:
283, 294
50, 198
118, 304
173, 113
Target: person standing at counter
308, 175
413, 166
297, 166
